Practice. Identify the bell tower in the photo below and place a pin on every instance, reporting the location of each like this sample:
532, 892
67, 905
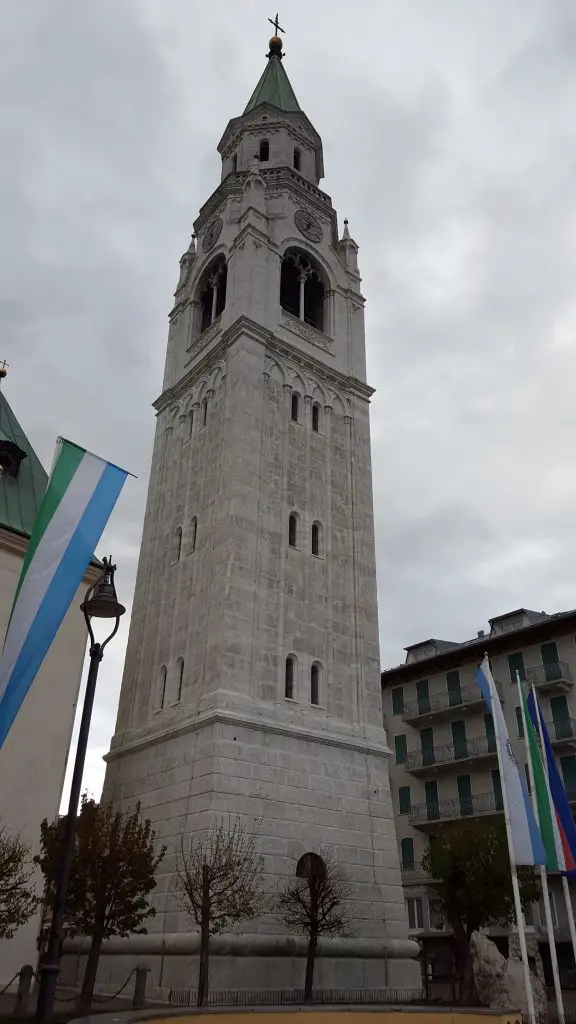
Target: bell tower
252, 677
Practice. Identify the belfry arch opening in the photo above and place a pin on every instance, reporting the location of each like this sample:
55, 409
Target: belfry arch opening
302, 288
213, 291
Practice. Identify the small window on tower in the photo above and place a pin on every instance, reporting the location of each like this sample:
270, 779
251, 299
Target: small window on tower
295, 407
315, 683
264, 151
234, 163
316, 535
193, 533
162, 686
180, 672
296, 158
204, 412
292, 529
177, 545
190, 423
316, 418
289, 678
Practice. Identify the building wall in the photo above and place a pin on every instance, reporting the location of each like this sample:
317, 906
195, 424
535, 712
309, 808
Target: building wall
34, 756
479, 769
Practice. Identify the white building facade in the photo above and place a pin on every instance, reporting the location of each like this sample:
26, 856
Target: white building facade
252, 677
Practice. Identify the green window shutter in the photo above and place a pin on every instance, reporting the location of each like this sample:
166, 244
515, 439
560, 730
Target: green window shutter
423, 696
559, 709
407, 853
549, 654
497, 789
516, 664
568, 769
465, 794
404, 801
459, 739
489, 730
427, 746
400, 748
519, 722
431, 796
398, 700
454, 688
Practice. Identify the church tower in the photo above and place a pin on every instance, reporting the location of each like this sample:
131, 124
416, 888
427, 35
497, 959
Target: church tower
252, 676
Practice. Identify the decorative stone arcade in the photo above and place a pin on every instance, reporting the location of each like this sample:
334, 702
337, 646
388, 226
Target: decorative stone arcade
252, 677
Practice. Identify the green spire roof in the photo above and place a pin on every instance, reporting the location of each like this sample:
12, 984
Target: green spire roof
274, 88
20, 495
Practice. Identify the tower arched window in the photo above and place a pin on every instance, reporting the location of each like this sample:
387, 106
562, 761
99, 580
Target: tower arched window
179, 679
315, 683
289, 677
316, 417
213, 291
293, 530
264, 151
193, 533
316, 539
162, 686
190, 423
295, 406
296, 159
234, 163
302, 288
204, 412
177, 545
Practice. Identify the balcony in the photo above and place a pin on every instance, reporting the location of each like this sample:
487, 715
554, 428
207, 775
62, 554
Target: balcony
415, 874
429, 816
440, 704
427, 761
556, 677
562, 733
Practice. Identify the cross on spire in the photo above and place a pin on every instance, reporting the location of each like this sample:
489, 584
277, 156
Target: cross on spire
277, 27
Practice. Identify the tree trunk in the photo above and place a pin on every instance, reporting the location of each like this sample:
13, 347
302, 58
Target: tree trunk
310, 960
467, 994
203, 966
91, 970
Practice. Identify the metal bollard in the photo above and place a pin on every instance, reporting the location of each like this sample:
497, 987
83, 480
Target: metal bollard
23, 991
139, 997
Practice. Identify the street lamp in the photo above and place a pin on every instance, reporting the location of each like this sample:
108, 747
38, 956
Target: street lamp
100, 603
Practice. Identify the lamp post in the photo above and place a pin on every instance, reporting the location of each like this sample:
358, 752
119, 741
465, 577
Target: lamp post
100, 603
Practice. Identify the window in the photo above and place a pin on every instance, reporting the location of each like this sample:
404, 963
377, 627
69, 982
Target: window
527, 772
404, 801
213, 291
316, 417
568, 769
432, 802
190, 423
204, 412
400, 748
414, 913
465, 794
453, 687
516, 665
553, 913
296, 158
427, 746
162, 686
316, 535
289, 678
295, 407
180, 679
423, 696
549, 654
193, 533
315, 683
311, 866
264, 154
302, 288
490, 734
234, 162
177, 545
398, 701
497, 789
519, 722
292, 529
459, 740
435, 915
407, 853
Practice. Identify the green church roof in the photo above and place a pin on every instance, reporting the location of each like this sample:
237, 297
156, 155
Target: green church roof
20, 495
274, 88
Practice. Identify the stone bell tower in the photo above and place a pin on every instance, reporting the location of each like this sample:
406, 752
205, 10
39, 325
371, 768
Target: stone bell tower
252, 677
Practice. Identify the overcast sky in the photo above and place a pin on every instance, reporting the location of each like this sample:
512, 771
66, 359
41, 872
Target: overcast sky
449, 133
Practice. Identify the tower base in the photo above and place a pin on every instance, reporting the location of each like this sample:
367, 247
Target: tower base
247, 963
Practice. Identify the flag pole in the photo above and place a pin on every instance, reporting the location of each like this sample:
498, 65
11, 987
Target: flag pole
565, 886
543, 875
514, 874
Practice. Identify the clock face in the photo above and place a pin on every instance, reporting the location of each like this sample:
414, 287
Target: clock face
212, 234
308, 225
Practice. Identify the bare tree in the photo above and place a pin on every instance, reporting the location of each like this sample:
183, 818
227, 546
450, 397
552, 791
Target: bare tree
18, 899
313, 902
219, 881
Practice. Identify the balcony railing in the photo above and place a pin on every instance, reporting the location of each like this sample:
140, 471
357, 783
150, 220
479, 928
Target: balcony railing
550, 677
563, 731
439, 702
459, 807
447, 753
414, 873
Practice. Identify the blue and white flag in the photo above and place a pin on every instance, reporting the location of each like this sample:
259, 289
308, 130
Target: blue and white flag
524, 839
81, 493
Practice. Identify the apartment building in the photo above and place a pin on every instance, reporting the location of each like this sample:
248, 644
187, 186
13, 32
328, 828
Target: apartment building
444, 767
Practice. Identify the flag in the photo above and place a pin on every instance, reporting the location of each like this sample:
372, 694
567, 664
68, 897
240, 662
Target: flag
558, 805
81, 493
524, 839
